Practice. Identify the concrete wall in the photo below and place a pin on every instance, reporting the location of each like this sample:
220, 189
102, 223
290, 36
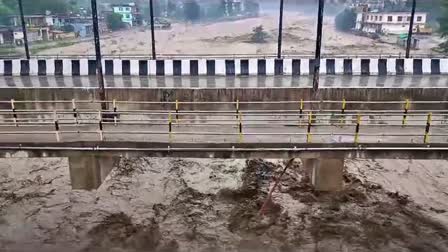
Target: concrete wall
229, 67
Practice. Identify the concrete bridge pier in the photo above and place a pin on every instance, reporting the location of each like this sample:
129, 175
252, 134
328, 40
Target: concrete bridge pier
89, 170
326, 173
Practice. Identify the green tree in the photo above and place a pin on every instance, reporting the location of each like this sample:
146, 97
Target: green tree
4, 13
443, 22
259, 35
40, 6
346, 20
114, 22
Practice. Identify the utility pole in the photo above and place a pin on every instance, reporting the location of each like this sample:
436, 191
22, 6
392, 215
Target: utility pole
25, 36
280, 30
153, 40
411, 26
99, 65
320, 15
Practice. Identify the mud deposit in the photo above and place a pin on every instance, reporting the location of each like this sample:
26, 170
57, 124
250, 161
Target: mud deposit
162, 204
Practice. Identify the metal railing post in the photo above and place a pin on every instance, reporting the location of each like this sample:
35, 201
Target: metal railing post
170, 126
237, 107
75, 113
358, 124
320, 14
310, 121
114, 103
153, 40
344, 106
99, 65
240, 127
428, 126
56, 126
411, 27
14, 114
100, 125
25, 35
280, 31
405, 116
177, 111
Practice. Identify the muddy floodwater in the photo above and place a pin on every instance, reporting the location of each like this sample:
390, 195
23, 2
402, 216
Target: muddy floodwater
169, 204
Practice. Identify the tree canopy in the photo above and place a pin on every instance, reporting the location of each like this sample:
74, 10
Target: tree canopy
443, 19
114, 22
4, 12
37, 7
346, 20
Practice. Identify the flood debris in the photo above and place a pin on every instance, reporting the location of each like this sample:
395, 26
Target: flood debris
213, 205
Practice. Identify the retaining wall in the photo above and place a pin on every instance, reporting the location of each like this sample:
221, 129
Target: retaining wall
218, 67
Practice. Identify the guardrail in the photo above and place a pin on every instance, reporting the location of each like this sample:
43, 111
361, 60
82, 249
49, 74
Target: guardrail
177, 122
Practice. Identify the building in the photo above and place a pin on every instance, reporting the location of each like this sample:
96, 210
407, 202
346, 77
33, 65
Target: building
127, 12
389, 22
33, 20
14, 35
6, 35
370, 4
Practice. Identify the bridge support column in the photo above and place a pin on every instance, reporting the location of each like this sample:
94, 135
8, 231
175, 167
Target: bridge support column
326, 173
88, 170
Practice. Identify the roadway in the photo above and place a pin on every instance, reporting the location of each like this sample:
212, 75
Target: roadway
340, 81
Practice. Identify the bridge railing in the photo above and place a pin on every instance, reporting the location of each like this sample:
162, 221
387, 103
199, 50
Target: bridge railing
257, 122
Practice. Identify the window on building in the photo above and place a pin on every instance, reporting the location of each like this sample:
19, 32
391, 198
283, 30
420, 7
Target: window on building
376, 18
128, 9
120, 9
389, 18
128, 15
419, 18
400, 18
381, 18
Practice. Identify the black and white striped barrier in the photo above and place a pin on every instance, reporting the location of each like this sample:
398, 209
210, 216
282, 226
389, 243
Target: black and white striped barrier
228, 67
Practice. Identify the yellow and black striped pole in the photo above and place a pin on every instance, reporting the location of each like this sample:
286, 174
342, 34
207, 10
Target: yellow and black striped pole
344, 104
237, 107
75, 113
115, 111
100, 124
300, 112
177, 111
405, 113
358, 124
308, 134
14, 114
240, 127
170, 126
56, 125
428, 126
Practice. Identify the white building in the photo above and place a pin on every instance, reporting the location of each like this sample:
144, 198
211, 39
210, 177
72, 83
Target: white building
126, 11
389, 22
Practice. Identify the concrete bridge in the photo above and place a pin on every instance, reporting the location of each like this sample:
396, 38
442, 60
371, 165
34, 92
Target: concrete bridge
321, 132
